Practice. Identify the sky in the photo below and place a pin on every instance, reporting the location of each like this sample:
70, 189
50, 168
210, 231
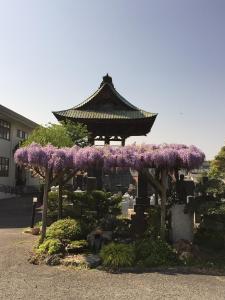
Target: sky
165, 56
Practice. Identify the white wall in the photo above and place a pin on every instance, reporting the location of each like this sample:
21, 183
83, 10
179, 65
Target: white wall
6, 150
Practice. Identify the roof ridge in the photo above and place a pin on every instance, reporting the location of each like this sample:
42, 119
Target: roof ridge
126, 102
89, 98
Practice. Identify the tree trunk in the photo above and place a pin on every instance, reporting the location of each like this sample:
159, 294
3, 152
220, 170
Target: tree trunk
163, 204
60, 201
45, 207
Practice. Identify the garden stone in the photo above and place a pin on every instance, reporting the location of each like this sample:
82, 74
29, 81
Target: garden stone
74, 260
98, 237
35, 231
186, 256
186, 250
93, 260
183, 246
82, 260
53, 260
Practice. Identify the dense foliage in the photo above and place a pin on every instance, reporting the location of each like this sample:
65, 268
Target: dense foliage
217, 167
51, 162
117, 255
210, 238
65, 229
59, 135
50, 246
77, 246
154, 252
94, 208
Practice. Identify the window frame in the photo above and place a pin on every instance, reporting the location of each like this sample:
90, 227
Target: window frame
5, 130
21, 134
4, 166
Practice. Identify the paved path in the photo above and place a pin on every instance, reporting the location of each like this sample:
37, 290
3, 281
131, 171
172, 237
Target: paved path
21, 280
15, 212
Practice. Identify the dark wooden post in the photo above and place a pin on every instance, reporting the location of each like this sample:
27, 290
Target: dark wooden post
91, 139
34, 203
142, 202
107, 140
60, 206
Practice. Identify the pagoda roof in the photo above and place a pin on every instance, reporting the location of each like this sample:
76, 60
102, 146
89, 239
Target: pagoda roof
104, 104
119, 114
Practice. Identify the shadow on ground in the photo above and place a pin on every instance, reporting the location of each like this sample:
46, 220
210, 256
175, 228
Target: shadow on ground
16, 212
174, 271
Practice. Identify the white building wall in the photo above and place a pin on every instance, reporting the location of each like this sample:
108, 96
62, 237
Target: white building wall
7, 150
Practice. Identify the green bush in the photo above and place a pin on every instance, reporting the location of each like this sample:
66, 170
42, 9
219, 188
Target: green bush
219, 210
53, 205
50, 246
209, 238
77, 246
117, 255
152, 253
122, 228
38, 224
65, 229
153, 223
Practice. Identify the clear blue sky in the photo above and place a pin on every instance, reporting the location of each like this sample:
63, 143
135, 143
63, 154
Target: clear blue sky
165, 56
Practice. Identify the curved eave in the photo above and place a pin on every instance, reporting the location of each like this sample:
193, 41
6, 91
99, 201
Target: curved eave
93, 115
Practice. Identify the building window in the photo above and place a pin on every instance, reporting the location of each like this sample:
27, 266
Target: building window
4, 167
22, 134
4, 130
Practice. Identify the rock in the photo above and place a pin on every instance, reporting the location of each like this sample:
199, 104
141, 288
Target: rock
93, 260
186, 250
107, 235
186, 256
98, 237
183, 246
53, 260
82, 260
35, 231
34, 259
74, 260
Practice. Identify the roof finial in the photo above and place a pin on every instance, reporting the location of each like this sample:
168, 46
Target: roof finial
107, 79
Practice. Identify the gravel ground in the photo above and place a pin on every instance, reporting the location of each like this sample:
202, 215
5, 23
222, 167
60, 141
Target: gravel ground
21, 280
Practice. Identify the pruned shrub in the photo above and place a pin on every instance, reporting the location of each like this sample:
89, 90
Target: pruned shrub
77, 246
50, 246
209, 238
152, 253
122, 228
117, 255
65, 229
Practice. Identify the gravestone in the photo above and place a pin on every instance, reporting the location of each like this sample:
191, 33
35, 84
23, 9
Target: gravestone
182, 224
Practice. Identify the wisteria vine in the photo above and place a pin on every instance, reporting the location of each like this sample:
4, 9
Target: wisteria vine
164, 156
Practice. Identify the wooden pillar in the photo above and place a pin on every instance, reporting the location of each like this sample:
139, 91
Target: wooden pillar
107, 140
91, 139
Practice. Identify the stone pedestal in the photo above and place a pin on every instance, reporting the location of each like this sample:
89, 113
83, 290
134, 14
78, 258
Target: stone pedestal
181, 224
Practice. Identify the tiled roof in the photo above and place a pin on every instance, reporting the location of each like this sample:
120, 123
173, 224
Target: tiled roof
105, 103
119, 114
113, 90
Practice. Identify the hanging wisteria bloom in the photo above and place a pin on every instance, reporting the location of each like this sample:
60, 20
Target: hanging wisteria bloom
42, 158
164, 156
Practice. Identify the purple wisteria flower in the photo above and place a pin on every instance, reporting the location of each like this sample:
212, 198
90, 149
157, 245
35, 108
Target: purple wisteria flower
164, 156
